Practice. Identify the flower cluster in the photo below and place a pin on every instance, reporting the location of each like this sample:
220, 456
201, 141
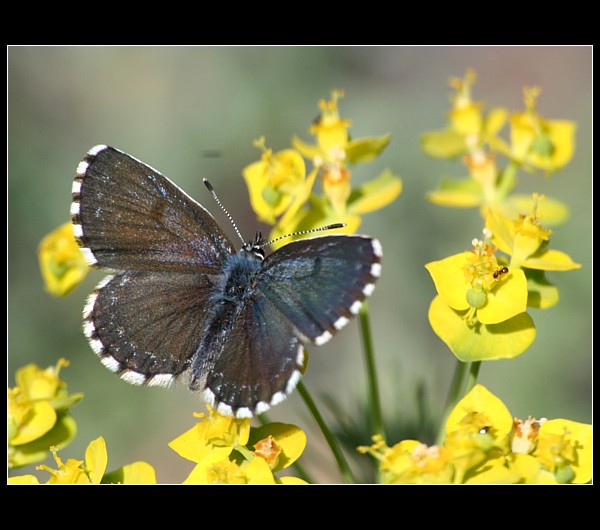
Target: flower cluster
38, 414
283, 194
484, 444
39, 422
92, 471
227, 450
535, 143
480, 309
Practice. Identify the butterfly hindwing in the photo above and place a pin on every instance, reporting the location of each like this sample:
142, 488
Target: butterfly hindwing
255, 365
147, 325
127, 216
319, 283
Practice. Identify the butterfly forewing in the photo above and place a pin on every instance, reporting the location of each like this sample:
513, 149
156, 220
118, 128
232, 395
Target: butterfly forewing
127, 216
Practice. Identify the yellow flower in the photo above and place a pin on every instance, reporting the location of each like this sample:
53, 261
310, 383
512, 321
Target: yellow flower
564, 447
476, 437
279, 444
480, 310
62, 264
332, 153
74, 471
331, 132
213, 434
38, 414
537, 142
477, 429
92, 471
218, 469
278, 183
526, 241
282, 194
226, 450
468, 128
484, 445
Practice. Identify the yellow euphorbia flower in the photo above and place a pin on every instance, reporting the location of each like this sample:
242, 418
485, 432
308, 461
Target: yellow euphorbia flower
525, 240
483, 445
283, 195
62, 264
213, 434
75, 472
480, 310
92, 471
218, 469
475, 280
469, 129
279, 444
564, 447
537, 142
227, 450
38, 414
278, 183
335, 150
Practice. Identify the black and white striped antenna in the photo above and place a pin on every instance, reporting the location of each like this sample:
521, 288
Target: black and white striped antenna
214, 194
299, 233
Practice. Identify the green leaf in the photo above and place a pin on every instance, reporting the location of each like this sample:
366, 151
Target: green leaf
365, 149
462, 193
541, 293
443, 144
375, 194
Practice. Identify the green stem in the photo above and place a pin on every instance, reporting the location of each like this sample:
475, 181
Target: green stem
333, 445
369, 354
472, 377
465, 378
453, 396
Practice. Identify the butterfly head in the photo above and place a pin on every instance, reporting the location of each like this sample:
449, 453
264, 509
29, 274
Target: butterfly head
255, 247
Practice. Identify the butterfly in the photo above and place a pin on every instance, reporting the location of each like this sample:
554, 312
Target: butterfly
182, 303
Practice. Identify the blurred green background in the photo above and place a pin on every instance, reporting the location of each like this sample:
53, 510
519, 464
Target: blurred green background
192, 112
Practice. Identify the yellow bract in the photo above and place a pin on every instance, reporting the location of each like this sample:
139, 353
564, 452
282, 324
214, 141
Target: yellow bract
62, 264
38, 414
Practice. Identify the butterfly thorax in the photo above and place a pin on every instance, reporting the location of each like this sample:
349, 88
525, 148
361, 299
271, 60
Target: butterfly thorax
237, 281
233, 289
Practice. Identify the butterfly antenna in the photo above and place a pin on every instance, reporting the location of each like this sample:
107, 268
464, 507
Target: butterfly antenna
214, 194
303, 232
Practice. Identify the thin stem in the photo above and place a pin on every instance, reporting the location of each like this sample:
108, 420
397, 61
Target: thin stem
472, 377
333, 445
369, 354
453, 396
